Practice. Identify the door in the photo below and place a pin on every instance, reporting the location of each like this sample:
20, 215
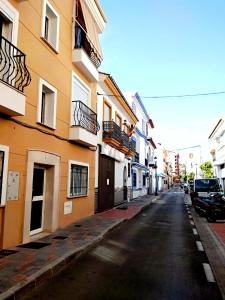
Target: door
37, 203
106, 183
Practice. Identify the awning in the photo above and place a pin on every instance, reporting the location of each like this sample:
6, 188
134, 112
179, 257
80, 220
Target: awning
92, 32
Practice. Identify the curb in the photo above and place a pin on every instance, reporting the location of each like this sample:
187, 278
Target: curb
214, 248
52, 269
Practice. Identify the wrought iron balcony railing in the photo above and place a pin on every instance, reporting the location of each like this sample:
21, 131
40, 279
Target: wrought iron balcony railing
84, 117
132, 145
13, 70
125, 139
82, 41
112, 130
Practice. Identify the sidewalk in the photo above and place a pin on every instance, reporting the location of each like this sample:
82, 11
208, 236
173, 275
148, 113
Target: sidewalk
22, 269
212, 236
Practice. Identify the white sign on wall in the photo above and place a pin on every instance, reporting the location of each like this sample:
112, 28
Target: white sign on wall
13, 185
68, 206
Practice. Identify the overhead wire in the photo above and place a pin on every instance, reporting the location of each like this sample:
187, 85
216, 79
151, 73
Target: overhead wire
171, 96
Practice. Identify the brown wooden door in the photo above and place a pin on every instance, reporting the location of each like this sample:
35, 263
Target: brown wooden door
106, 183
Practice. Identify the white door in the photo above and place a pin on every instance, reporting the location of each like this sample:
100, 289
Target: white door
37, 203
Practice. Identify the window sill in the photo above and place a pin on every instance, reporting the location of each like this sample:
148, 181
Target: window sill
78, 196
50, 45
45, 125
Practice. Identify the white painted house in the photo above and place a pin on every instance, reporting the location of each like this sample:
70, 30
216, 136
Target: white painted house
217, 147
142, 178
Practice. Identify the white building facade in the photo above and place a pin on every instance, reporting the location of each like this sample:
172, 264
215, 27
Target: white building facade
217, 149
141, 172
115, 145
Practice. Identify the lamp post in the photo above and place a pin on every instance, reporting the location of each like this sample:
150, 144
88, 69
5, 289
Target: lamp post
156, 179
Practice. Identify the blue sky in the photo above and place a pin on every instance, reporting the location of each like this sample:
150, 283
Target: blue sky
169, 47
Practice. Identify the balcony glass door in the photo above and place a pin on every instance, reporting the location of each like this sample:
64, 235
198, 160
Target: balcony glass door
37, 203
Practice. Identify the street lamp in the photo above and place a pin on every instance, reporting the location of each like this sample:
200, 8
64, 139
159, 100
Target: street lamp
156, 179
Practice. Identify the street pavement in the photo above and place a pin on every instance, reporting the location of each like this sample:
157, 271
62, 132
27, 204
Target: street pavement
26, 269
157, 255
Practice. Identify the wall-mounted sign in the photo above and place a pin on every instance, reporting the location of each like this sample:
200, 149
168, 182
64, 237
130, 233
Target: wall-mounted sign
68, 206
13, 185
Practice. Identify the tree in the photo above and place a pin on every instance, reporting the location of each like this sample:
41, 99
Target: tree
191, 177
207, 169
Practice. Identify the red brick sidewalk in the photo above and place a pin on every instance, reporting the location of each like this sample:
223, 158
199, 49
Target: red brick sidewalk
219, 229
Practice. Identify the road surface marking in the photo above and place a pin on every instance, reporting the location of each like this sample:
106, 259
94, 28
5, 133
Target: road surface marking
192, 223
208, 273
199, 246
195, 232
190, 217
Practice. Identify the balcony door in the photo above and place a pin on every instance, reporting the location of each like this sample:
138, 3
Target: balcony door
6, 27
80, 101
38, 200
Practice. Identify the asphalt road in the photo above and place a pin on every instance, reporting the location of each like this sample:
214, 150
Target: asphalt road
153, 256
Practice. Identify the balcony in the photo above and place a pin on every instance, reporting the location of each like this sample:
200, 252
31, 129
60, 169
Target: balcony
85, 56
132, 147
112, 134
125, 143
84, 126
14, 77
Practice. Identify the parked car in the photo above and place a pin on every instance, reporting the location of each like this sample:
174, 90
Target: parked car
212, 207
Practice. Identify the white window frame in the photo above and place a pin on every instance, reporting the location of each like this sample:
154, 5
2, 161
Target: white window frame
82, 85
45, 4
5, 149
74, 162
42, 83
13, 16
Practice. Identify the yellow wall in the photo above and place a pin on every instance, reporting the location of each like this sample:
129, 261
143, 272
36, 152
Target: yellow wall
56, 69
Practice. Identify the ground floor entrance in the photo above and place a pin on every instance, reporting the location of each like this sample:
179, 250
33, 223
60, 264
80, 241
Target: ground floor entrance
106, 183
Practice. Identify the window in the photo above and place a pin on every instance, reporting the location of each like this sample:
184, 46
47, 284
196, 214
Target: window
9, 20
129, 170
80, 93
134, 179
4, 152
118, 120
78, 179
47, 104
50, 25
107, 112
144, 179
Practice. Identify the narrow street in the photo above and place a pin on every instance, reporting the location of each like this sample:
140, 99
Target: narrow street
153, 256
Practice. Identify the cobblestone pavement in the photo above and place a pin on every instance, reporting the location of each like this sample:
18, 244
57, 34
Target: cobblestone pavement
23, 269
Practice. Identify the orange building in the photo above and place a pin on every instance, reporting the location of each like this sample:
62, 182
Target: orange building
49, 59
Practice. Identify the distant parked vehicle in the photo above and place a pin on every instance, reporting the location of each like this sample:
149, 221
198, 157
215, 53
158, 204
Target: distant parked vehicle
205, 187
212, 207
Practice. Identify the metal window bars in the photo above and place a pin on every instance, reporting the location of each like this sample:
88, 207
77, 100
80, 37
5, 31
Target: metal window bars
84, 117
13, 70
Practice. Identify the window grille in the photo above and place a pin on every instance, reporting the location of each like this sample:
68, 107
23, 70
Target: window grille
78, 180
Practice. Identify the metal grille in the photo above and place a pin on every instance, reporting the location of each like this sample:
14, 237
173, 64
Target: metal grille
81, 41
84, 117
78, 180
132, 145
112, 130
125, 139
13, 70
